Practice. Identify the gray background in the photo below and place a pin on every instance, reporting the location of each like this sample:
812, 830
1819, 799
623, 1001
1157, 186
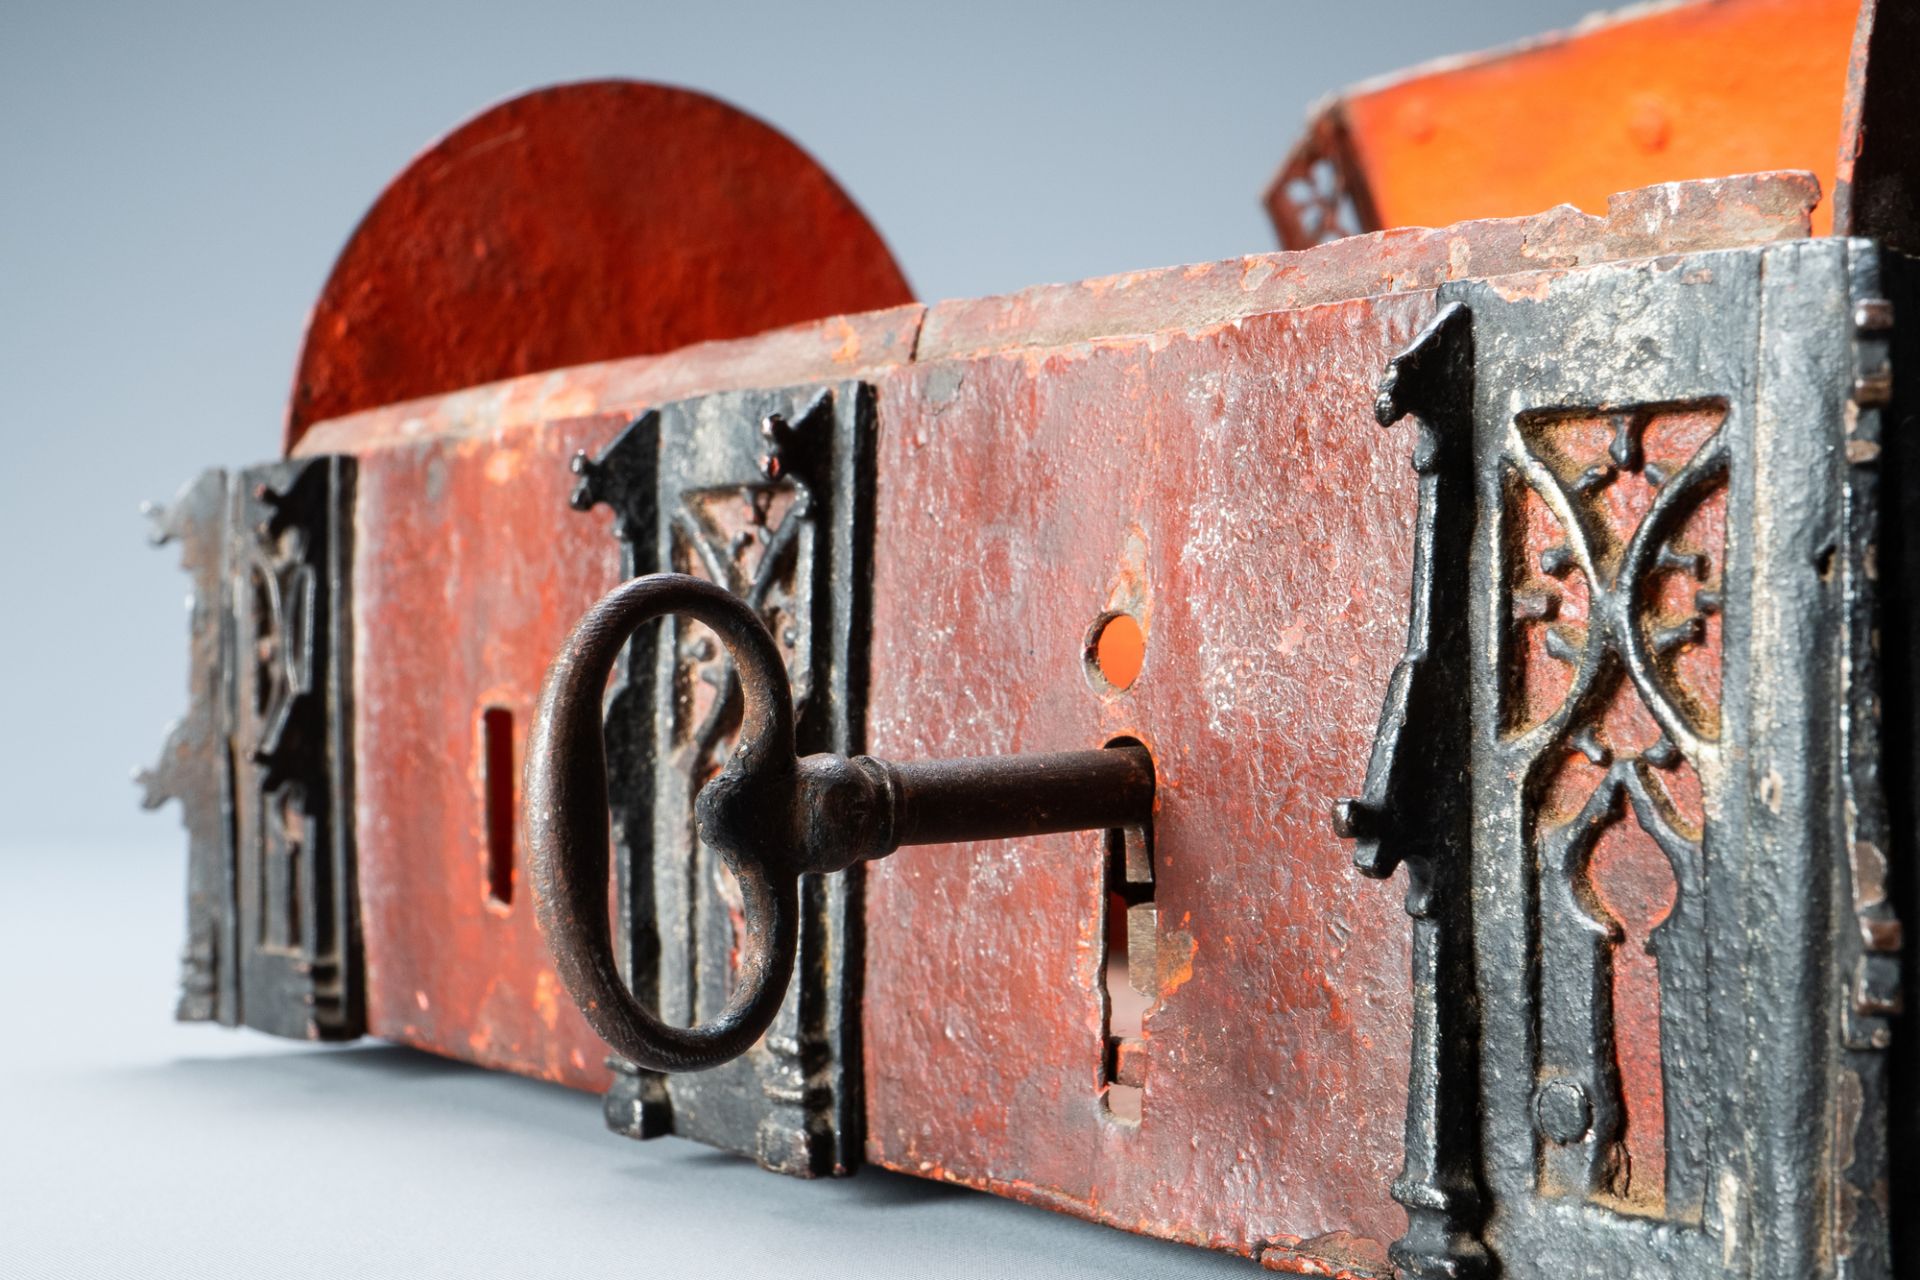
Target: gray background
174, 183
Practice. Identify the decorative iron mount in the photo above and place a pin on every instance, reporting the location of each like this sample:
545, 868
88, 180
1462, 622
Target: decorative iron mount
1637, 760
772, 815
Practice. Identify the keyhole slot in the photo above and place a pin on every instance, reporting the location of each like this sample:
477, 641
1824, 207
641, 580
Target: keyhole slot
497, 784
1132, 937
1634, 883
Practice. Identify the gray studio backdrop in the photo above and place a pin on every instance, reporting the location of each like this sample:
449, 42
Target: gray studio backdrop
176, 179
174, 183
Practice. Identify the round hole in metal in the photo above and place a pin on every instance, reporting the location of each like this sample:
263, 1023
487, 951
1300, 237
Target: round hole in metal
1116, 650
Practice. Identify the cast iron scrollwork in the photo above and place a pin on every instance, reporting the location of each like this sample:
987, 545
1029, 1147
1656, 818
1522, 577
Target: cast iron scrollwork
1624, 599
1602, 691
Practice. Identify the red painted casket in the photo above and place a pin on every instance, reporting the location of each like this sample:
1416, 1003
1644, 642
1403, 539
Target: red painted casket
1563, 559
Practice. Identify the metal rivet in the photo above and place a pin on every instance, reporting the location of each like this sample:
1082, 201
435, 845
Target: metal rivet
1872, 315
1354, 819
1562, 1111
1873, 388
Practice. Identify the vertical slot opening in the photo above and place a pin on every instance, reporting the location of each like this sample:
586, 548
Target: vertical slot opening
497, 779
1132, 962
1126, 1013
1129, 964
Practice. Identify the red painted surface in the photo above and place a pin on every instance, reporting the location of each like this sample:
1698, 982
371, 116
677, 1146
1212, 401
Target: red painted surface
1220, 478
1628, 878
580, 223
1229, 488
468, 570
1635, 886
470, 567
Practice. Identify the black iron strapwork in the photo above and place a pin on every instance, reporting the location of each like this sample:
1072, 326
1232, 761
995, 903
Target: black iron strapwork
770, 814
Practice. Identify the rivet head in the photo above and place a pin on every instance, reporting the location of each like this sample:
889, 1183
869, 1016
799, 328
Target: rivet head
1562, 1111
1873, 388
1349, 818
1873, 315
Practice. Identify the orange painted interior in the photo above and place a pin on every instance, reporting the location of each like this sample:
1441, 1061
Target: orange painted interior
1701, 90
1120, 651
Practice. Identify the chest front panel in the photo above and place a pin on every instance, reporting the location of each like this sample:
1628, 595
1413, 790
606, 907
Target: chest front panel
469, 569
1229, 491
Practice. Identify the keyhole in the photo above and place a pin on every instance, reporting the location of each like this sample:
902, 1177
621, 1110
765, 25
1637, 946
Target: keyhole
497, 778
1116, 650
1635, 884
1132, 964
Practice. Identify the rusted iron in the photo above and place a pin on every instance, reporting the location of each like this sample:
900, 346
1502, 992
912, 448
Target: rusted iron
1414, 812
263, 764
771, 814
192, 767
767, 494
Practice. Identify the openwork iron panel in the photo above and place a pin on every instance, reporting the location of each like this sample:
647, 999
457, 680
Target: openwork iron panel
1639, 791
